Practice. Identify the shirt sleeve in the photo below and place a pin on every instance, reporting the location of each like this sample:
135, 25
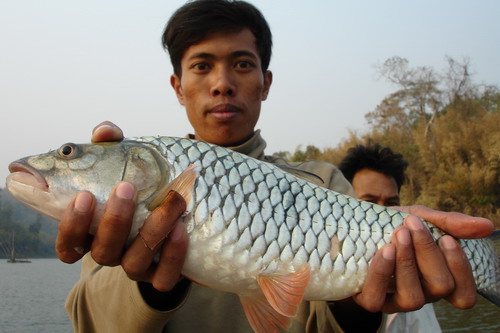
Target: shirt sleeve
106, 300
320, 173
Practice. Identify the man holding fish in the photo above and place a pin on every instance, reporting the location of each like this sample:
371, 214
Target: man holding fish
220, 51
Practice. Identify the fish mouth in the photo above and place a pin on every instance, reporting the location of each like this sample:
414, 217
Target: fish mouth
27, 175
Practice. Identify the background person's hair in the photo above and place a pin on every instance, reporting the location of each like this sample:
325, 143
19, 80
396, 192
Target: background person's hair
376, 158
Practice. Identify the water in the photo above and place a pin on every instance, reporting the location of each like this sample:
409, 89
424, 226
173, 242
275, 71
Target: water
32, 301
32, 296
484, 317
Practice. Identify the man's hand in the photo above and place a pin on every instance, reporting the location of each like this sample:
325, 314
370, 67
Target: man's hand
106, 131
423, 271
137, 261
107, 247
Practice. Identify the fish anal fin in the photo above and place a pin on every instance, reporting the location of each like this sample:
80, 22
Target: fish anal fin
285, 292
183, 184
261, 315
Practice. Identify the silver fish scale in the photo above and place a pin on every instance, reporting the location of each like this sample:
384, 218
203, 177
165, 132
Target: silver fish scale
484, 273
273, 218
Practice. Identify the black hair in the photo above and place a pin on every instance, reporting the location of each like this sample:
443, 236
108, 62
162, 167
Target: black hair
192, 22
376, 158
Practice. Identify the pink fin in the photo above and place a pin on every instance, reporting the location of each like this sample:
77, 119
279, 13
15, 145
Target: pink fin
285, 293
261, 315
183, 184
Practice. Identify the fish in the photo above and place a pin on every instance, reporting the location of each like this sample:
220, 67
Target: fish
255, 229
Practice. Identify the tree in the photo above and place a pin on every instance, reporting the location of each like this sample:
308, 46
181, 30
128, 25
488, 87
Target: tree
311, 153
447, 128
418, 98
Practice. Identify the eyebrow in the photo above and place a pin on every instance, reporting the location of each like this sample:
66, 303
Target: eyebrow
367, 196
235, 54
371, 196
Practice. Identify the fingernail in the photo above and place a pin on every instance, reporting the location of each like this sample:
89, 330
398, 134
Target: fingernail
101, 128
448, 242
125, 190
79, 250
177, 232
83, 202
389, 252
403, 236
414, 223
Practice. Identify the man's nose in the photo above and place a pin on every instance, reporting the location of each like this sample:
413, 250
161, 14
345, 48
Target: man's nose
223, 83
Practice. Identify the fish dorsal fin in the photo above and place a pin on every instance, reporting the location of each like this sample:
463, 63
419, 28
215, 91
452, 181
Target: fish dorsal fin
306, 175
285, 292
261, 315
183, 184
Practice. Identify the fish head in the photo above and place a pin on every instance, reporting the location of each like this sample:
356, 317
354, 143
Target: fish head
47, 182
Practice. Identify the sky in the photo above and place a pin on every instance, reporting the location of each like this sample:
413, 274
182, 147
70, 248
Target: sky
65, 66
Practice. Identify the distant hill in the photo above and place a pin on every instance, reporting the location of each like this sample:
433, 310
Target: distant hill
34, 234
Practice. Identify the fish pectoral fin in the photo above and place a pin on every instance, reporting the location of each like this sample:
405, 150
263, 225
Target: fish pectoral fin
280, 302
285, 292
262, 316
183, 184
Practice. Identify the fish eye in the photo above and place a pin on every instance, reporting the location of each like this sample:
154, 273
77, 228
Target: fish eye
68, 150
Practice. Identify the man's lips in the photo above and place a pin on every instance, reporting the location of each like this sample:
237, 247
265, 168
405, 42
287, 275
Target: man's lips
224, 112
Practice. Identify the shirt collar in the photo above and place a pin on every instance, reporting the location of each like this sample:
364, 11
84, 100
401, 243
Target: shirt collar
253, 147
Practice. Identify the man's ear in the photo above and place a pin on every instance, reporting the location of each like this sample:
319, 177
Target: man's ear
175, 82
268, 80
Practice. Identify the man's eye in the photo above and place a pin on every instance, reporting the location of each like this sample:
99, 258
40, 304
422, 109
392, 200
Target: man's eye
201, 66
244, 64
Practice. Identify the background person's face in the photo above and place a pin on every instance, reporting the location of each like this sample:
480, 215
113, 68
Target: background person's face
375, 187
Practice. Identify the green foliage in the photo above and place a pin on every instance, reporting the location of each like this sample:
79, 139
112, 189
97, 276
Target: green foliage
311, 153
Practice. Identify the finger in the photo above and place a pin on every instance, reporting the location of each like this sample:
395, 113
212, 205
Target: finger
373, 294
456, 224
464, 294
168, 271
436, 279
115, 224
165, 216
106, 131
157, 226
73, 239
409, 295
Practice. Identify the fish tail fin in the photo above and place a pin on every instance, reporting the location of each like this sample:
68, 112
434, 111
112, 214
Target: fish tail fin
492, 291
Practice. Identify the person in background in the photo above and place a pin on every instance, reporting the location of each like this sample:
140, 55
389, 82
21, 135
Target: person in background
220, 51
377, 174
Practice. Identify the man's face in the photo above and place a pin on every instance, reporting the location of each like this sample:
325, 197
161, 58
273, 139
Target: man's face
375, 187
222, 87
